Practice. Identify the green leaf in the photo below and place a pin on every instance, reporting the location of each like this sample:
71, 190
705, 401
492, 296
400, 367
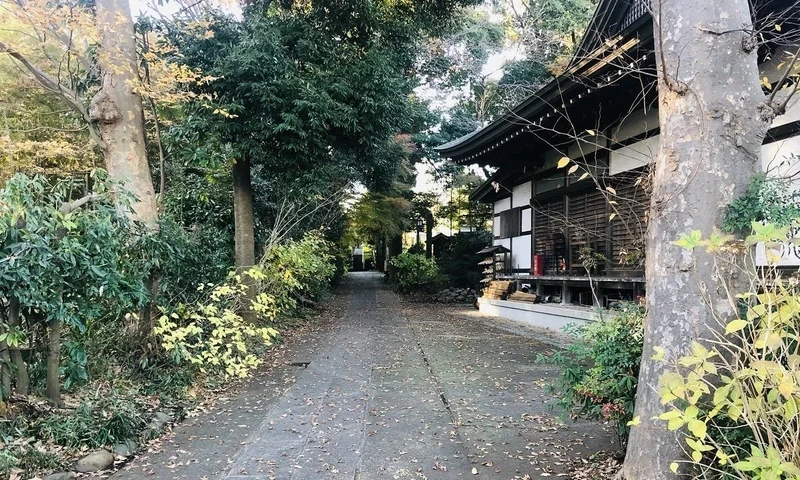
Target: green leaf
689, 241
767, 233
745, 466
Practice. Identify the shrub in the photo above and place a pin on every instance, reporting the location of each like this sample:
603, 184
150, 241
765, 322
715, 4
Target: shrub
212, 336
600, 370
414, 272
458, 264
736, 398
302, 268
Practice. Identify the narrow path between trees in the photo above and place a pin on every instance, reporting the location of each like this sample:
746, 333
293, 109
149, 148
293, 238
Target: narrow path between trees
385, 389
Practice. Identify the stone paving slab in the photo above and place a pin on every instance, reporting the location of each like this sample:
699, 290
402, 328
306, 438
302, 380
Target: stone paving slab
392, 390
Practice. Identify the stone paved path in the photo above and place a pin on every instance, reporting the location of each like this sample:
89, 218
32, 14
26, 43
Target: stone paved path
391, 390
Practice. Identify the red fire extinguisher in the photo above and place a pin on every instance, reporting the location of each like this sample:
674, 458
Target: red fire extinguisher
538, 264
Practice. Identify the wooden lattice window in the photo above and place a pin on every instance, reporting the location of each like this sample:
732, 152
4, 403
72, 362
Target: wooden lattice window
511, 223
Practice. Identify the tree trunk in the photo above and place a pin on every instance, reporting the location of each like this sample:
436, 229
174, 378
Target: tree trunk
23, 381
712, 126
380, 255
395, 248
428, 234
52, 383
244, 230
5, 370
117, 108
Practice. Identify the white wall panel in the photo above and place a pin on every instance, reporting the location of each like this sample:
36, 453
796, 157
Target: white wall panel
521, 256
634, 155
780, 159
506, 242
526, 220
521, 196
502, 205
637, 123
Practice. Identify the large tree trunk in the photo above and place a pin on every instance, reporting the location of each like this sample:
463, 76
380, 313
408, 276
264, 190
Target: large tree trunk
23, 381
117, 108
244, 231
52, 383
712, 127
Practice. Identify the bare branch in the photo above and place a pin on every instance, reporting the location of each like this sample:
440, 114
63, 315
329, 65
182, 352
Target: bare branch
52, 84
68, 207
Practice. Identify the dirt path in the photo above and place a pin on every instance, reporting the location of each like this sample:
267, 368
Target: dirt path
390, 390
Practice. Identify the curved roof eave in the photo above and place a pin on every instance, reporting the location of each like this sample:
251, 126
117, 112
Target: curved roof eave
590, 47
508, 121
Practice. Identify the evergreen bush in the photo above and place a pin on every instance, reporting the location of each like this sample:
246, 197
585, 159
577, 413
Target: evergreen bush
415, 272
599, 372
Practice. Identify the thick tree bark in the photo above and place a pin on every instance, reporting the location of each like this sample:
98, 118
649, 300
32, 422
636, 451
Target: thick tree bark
22, 383
713, 121
52, 383
117, 109
244, 231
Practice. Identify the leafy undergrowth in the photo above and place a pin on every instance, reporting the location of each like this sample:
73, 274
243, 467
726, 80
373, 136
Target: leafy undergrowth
36, 440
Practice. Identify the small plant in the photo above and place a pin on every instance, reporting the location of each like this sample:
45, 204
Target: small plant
767, 199
414, 272
599, 372
590, 259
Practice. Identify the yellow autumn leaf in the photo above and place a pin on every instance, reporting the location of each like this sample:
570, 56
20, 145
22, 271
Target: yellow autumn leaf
585, 174
778, 27
765, 82
786, 388
735, 326
673, 467
612, 216
636, 421
563, 162
590, 132
572, 169
611, 190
